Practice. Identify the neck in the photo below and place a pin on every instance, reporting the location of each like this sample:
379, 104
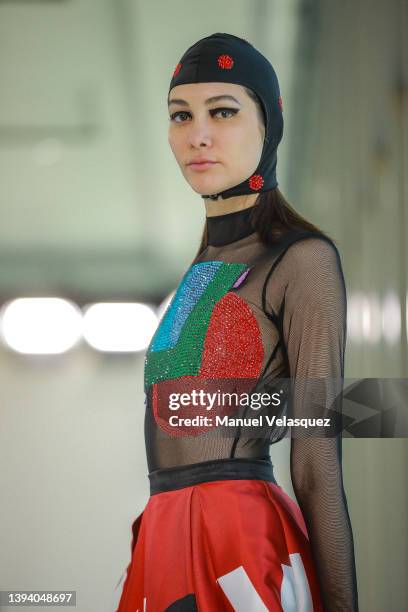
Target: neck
222, 207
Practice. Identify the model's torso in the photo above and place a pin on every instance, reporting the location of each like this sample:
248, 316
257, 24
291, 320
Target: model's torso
220, 333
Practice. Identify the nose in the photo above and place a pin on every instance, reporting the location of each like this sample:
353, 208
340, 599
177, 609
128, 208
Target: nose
200, 133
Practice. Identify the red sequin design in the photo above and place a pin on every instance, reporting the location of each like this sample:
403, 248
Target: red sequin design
164, 390
225, 61
231, 362
177, 69
280, 102
256, 182
233, 344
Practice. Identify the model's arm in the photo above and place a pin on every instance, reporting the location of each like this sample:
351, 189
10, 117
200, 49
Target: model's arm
315, 336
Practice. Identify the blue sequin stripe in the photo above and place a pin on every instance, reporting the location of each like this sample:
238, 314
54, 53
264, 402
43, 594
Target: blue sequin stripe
189, 292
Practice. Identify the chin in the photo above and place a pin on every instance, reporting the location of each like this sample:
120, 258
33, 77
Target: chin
208, 188
205, 190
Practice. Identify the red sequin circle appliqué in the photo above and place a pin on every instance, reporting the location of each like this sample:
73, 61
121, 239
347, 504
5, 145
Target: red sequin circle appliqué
280, 102
225, 61
256, 182
233, 344
177, 69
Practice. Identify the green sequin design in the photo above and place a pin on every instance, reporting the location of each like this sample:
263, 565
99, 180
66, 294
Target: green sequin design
185, 358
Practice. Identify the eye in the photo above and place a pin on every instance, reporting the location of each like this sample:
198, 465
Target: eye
216, 111
177, 114
213, 112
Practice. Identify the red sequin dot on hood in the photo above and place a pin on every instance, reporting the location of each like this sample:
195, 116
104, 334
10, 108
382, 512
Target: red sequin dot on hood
177, 69
225, 61
256, 182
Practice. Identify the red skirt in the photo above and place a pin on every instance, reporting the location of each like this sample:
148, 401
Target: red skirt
220, 545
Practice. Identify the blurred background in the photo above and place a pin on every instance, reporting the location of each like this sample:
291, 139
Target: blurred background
97, 221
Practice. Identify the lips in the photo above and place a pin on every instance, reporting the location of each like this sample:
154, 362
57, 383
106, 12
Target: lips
201, 163
201, 160
197, 167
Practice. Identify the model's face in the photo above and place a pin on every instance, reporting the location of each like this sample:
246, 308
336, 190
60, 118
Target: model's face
226, 131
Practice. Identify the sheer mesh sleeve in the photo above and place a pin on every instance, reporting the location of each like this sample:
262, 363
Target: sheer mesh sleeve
315, 333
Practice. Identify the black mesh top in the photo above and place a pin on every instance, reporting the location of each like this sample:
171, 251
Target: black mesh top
247, 313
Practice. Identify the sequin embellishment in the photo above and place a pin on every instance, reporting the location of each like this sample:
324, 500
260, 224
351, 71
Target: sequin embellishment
241, 279
256, 182
177, 346
225, 62
208, 337
231, 358
189, 292
233, 344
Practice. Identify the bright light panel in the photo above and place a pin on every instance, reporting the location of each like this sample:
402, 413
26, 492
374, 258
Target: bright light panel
41, 325
119, 326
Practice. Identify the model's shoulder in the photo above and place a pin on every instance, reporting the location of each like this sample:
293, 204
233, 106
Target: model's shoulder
303, 254
306, 248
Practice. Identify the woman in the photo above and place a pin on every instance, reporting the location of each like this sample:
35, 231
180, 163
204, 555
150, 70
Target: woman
263, 301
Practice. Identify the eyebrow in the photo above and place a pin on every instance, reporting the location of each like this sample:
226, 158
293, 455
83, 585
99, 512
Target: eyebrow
208, 101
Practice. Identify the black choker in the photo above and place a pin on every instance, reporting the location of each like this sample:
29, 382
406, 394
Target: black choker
224, 229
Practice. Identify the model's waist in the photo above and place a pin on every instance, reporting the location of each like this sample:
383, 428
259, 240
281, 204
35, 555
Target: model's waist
168, 479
